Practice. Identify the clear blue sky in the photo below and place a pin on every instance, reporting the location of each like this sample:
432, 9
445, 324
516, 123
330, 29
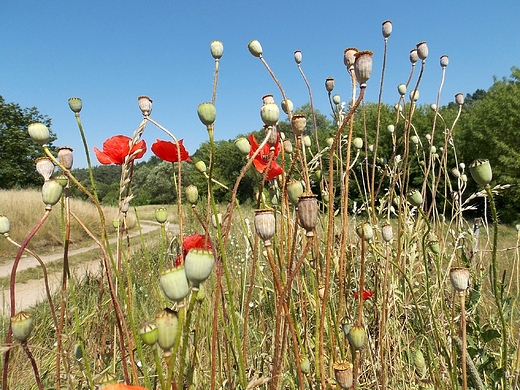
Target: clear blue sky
110, 52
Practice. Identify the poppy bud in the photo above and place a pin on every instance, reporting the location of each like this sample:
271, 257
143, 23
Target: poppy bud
192, 194
287, 106
207, 113
294, 190
415, 198
401, 88
201, 166
336, 99
242, 146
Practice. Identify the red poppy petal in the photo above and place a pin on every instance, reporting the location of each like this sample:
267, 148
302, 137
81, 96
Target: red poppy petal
259, 164
117, 148
102, 157
254, 144
141, 145
274, 170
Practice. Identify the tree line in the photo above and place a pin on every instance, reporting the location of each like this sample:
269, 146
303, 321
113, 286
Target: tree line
487, 128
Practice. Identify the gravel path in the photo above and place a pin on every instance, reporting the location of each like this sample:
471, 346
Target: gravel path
33, 291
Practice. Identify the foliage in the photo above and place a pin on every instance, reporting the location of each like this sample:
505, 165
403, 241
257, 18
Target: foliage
17, 151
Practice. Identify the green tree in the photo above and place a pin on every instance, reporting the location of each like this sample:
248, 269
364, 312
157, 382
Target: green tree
490, 130
17, 151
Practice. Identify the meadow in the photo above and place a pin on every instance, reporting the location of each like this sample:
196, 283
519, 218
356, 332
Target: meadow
300, 288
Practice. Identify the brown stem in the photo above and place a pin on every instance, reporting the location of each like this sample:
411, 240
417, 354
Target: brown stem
33, 364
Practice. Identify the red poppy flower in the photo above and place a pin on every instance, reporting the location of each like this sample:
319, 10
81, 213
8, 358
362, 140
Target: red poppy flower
167, 151
192, 241
116, 148
262, 159
367, 294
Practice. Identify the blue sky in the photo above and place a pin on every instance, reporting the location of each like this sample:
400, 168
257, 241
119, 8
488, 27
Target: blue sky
110, 52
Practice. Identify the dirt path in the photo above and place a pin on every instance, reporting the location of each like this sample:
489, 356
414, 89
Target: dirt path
33, 291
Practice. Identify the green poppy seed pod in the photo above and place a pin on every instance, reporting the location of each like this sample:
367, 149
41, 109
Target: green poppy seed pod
462, 165
422, 50
63, 180
174, 283
308, 213
433, 149
167, 323
318, 174
444, 61
265, 225
401, 88
480, 171
390, 128
398, 108
298, 124
207, 113
22, 326
343, 373
45, 167
459, 278
298, 56
433, 107
387, 28
415, 198
65, 156
414, 95
51, 192
287, 106
255, 48
5, 225
435, 247
294, 190
358, 143
414, 139
414, 56
270, 113
192, 194
115, 224
425, 384
325, 197
329, 84
349, 57
455, 172
145, 104
217, 49
242, 146
329, 141
356, 337
39, 133
274, 196
363, 66
75, 105
365, 231
459, 99
307, 141
371, 148
149, 333
201, 166
287, 146
387, 232
464, 178
198, 265
161, 215
305, 364
419, 362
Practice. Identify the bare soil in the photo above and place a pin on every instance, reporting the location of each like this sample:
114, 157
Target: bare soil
33, 291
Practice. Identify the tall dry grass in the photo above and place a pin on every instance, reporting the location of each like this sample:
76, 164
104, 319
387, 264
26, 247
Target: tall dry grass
25, 207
